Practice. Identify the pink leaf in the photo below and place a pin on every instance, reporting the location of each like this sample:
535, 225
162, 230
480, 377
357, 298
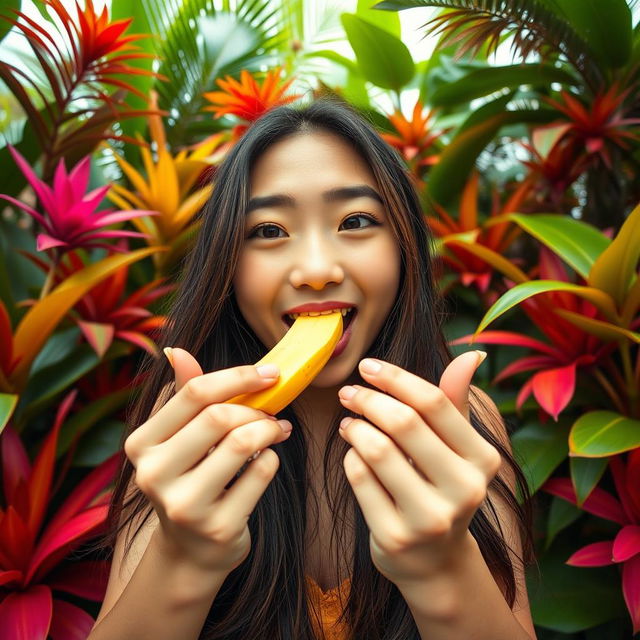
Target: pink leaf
509, 338
523, 394
42, 190
32, 212
631, 590
598, 554
528, 363
554, 388
86, 580
69, 622
79, 177
98, 334
121, 216
599, 503
627, 543
26, 615
45, 241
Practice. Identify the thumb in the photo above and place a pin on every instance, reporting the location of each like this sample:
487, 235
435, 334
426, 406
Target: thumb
456, 379
184, 365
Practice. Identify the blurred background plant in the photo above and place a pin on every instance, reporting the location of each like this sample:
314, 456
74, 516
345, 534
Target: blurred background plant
521, 130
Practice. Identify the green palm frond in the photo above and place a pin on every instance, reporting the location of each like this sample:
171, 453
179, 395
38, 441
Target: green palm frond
533, 25
203, 40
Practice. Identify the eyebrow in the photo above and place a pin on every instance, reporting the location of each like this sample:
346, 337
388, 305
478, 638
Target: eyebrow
333, 195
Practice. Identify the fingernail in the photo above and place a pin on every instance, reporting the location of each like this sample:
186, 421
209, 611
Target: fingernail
268, 370
285, 425
370, 366
344, 422
481, 356
168, 351
347, 392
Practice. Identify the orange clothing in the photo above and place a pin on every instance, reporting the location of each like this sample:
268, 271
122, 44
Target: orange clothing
329, 605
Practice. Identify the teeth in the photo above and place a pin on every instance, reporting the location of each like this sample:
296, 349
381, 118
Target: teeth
319, 313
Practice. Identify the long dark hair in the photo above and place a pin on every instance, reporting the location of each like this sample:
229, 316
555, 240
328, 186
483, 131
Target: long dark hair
266, 597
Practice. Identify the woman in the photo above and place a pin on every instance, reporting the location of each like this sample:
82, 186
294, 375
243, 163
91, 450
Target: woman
399, 524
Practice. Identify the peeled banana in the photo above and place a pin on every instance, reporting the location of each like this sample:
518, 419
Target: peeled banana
301, 354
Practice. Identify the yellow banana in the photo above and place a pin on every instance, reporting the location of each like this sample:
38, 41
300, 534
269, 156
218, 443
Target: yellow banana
301, 354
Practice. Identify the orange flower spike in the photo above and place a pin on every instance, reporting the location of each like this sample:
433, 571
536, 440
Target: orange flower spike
247, 99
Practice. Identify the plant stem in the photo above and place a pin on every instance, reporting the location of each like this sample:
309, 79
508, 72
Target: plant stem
606, 385
632, 390
48, 283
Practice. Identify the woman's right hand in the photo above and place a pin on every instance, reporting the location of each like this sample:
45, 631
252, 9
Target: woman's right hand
191, 448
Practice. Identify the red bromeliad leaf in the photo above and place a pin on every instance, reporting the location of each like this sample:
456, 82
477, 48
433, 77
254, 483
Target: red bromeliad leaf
52, 548
626, 543
15, 463
16, 540
633, 481
618, 471
631, 589
598, 554
531, 363
69, 622
40, 480
509, 338
10, 576
26, 615
554, 388
524, 393
86, 580
599, 503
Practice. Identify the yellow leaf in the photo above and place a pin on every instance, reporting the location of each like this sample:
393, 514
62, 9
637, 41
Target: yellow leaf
615, 269
39, 322
604, 330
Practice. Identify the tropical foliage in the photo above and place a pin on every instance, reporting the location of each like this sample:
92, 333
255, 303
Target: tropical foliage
529, 177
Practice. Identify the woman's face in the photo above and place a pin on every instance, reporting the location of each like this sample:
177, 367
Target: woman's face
317, 231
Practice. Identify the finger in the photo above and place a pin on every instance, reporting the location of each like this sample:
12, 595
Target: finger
378, 508
184, 365
408, 430
432, 404
241, 499
456, 379
411, 493
195, 395
192, 443
208, 479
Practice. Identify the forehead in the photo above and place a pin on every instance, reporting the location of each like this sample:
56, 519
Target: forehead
305, 161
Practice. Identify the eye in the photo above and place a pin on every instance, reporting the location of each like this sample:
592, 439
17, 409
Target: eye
265, 225
368, 216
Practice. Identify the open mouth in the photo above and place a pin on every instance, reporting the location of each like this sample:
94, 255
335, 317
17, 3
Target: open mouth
346, 320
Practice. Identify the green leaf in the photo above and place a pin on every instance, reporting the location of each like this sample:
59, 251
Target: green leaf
608, 32
540, 449
390, 22
615, 269
526, 290
124, 9
50, 381
5, 11
8, 402
561, 515
599, 434
571, 599
89, 416
585, 475
101, 443
383, 58
482, 82
446, 179
579, 244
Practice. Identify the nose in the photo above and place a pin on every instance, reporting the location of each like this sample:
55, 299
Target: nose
316, 265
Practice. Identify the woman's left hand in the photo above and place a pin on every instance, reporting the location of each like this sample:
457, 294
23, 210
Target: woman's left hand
418, 468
